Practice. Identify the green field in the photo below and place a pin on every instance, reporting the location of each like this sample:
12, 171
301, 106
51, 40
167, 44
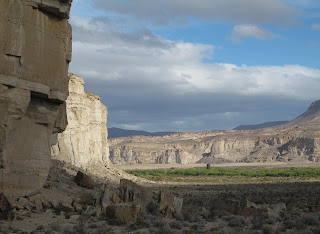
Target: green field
203, 174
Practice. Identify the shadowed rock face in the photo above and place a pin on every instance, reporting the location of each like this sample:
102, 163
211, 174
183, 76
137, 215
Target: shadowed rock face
35, 52
298, 140
84, 142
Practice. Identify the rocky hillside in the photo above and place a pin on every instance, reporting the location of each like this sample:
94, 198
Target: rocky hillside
84, 142
299, 140
259, 126
35, 53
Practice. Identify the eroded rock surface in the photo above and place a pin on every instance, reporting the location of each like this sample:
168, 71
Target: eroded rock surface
299, 140
35, 53
84, 142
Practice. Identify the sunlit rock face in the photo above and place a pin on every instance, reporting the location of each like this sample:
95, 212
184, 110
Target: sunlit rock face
84, 142
296, 141
35, 51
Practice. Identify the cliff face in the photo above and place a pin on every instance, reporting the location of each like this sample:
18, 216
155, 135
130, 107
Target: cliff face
299, 140
35, 51
84, 142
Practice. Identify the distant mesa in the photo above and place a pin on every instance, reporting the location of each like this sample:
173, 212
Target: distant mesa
118, 132
294, 141
259, 126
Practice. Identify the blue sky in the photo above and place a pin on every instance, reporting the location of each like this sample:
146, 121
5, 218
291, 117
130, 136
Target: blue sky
200, 65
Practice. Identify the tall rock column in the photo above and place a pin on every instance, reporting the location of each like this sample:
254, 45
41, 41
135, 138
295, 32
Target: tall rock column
35, 51
84, 142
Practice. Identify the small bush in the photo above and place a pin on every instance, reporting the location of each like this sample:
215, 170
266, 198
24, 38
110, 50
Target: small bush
159, 223
289, 224
55, 227
268, 229
237, 221
259, 220
310, 220
69, 230
153, 207
175, 225
143, 221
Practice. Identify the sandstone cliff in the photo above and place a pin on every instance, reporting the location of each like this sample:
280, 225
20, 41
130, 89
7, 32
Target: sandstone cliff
84, 142
35, 52
299, 140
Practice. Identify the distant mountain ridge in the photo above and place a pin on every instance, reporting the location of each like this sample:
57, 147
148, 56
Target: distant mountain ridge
311, 116
259, 126
118, 132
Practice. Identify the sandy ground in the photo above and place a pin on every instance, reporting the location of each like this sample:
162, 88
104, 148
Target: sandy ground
232, 165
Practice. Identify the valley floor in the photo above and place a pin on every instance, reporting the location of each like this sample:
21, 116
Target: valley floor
277, 165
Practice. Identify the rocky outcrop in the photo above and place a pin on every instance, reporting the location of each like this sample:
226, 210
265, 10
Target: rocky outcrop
34, 55
299, 140
84, 142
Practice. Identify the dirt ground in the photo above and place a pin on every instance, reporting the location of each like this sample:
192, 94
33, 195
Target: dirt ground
238, 207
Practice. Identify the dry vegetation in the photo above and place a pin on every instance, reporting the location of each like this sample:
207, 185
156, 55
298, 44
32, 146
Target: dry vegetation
230, 176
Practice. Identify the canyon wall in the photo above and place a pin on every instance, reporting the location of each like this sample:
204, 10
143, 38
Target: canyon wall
299, 140
84, 142
35, 51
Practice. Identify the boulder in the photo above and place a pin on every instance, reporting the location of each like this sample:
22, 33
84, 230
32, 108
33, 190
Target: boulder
5, 207
26, 203
85, 181
124, 212
58, 200
116, 199
170, 205
39, 201
132, 192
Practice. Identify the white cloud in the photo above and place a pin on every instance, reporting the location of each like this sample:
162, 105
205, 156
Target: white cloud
316, 27
177, 68
164, 12
154, 84
243, 31
132, 126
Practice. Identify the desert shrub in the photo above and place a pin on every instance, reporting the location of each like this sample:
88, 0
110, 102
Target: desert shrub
178, 216
69, 230
158, 223
268, 229
164, 229
153, 207
143, 221
310, 220
114, 222
55, 227
316, 231
208, 166
259, 220
40, 228
175, 225
236, 221
289, 224
103, 229
300, 225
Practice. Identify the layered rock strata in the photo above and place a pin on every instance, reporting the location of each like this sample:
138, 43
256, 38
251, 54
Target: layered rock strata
84, 142
299, 140
35, 51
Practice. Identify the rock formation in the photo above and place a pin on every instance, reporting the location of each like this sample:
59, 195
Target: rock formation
298, 140
84, 142
35, 52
